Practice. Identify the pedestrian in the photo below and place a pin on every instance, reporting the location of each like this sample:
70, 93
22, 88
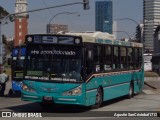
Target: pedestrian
3, 79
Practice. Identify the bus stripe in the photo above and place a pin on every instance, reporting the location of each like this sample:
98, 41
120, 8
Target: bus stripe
110, 86
111, 73
116, 85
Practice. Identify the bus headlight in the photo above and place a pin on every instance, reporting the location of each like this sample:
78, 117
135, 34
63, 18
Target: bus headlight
28, 89
75, 91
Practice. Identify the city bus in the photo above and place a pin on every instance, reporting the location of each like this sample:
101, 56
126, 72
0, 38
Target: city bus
147, 61
81, 69
17, 65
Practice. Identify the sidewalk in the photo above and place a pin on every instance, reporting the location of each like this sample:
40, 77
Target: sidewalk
153, 82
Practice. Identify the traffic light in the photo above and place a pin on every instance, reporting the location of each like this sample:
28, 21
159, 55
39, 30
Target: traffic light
11, 18
86, 4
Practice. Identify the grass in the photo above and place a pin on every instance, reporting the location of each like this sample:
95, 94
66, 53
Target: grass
150, 74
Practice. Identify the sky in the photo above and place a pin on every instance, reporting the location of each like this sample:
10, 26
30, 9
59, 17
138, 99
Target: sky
132, 9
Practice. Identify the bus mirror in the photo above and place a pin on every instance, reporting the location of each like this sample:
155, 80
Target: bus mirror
90, 55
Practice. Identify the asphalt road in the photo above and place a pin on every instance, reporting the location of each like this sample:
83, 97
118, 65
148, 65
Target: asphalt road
145, 101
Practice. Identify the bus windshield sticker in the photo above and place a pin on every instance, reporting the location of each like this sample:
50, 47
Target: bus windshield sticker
63, 79
35, 77
35, 73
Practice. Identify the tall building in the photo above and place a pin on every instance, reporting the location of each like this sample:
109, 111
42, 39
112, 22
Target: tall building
104, 16
55, 28
151, 21
21, 22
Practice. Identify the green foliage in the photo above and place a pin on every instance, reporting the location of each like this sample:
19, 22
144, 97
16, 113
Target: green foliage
3, 12
9, 46
4, 39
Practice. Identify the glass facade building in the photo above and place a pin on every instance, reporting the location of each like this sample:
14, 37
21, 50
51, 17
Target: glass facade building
104, 16
151, 17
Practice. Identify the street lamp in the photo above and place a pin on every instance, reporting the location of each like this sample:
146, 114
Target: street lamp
2, 22
125, 33
128, 19
133, 21
48, 26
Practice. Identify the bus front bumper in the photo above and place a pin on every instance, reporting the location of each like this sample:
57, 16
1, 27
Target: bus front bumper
52, 98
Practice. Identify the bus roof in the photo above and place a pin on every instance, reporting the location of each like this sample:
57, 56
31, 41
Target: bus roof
103, 38
91, 37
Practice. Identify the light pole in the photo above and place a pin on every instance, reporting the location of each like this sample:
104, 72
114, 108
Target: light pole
132, 21
48, 25
2, 22
125, 33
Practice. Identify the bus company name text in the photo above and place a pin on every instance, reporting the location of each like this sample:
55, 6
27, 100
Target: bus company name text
54, 52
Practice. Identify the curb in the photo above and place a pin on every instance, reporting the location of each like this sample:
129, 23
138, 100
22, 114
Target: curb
150, 85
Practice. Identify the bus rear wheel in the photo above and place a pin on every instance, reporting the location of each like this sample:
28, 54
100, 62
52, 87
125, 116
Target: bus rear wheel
131, 91
98, 99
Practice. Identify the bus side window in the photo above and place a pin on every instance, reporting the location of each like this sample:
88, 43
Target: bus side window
130, 58
116, 58
140, 57
89, 62
136, 57
98, 60
108, 58
123, 58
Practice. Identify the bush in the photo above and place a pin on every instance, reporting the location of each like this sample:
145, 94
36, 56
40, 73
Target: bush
150, 74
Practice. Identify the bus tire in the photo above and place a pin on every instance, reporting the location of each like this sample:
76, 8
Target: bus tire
131, 91
98, 99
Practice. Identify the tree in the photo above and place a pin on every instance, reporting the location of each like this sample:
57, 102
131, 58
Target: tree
3, 12
4, 39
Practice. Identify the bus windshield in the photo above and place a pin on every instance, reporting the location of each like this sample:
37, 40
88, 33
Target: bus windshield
54, 63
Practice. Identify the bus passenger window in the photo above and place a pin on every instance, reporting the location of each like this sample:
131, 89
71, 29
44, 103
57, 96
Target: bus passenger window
98, 60
130, 58
136, 57
116, 58
123, 58
108, 58
140, 57
89, 62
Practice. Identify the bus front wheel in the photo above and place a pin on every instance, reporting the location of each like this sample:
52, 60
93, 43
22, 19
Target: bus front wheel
98, 99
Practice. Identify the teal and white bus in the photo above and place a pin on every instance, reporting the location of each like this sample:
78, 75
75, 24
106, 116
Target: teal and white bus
81, 68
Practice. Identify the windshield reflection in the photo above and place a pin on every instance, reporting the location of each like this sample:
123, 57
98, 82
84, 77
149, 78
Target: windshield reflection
55, 69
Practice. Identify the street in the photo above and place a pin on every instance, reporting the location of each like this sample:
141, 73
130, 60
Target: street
141, 102
147, 100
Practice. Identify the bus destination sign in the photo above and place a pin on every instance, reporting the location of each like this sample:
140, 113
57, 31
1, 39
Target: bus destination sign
54, 39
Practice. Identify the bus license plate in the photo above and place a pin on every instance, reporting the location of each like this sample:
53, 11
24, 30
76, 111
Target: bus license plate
48, 98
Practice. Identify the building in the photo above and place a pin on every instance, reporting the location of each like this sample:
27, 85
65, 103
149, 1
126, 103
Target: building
156, 55
21, 22
104, 16
55, 28
151, 21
